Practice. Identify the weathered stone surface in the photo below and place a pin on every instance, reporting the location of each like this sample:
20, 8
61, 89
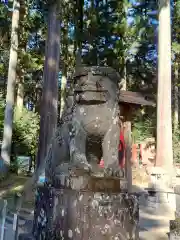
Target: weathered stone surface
78, 179
80, 215
90, 128
175, 226
26, 236
173, 236
162, 179
80, 200
163, 183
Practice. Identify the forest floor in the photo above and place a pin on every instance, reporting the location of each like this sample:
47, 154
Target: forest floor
8, 189
12, 185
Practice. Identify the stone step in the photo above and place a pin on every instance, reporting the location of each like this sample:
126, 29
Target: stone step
154, 222
148, 215
156, 210
154, 219
152, 235
26, 236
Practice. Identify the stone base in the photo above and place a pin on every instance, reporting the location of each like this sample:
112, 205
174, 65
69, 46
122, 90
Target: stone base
173, 236
74, 178
162, 179
163, 184
26, 236
175, 229
73, 214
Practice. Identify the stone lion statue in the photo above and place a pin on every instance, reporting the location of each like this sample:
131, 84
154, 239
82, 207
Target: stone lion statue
89, 128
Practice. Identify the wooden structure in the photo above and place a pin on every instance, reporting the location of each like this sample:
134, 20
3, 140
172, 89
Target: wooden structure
129, 103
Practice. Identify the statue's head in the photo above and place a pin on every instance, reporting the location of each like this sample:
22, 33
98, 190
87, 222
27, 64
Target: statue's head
95, 85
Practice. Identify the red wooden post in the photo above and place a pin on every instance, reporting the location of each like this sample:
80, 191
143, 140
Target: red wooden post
134, 154
128, 154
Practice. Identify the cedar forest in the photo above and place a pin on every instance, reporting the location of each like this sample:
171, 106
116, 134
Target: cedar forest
121, 34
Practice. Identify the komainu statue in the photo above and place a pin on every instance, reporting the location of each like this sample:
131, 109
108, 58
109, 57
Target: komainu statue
80, 199
90, 126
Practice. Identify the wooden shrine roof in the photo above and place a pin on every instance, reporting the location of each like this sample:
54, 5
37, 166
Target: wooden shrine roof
135, 98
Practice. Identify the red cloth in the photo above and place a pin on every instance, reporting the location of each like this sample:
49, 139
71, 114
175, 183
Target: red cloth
121, 152
101, 164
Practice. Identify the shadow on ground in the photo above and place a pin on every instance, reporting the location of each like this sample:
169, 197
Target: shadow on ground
12, 185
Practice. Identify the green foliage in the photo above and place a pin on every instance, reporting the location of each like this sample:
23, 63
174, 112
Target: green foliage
144, 126
25, 132
176, 47
142, 130
115, 33
176, 146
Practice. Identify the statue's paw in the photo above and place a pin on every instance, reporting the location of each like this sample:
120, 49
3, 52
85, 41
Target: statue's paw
83, 165
119, 173
108, 172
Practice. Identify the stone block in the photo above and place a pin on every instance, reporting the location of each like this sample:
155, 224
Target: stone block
26, 236
173, 236
67, 213
175, 227
162, 179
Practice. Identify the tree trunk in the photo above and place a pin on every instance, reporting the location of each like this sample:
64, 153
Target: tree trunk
124, 40
23, 43
64, 47
20, 94
124, 78
8, 119
63, 93
79, 30
48, 121
164, 156
128, 154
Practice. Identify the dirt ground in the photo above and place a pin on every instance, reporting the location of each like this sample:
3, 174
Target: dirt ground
11, 186
140, 177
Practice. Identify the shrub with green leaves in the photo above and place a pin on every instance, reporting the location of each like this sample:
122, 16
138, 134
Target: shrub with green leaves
176, 146
142, 130
143, 126
25, 132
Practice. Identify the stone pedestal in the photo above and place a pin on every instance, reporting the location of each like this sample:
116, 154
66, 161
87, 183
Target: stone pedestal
175, 229
163, 183
85, 208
